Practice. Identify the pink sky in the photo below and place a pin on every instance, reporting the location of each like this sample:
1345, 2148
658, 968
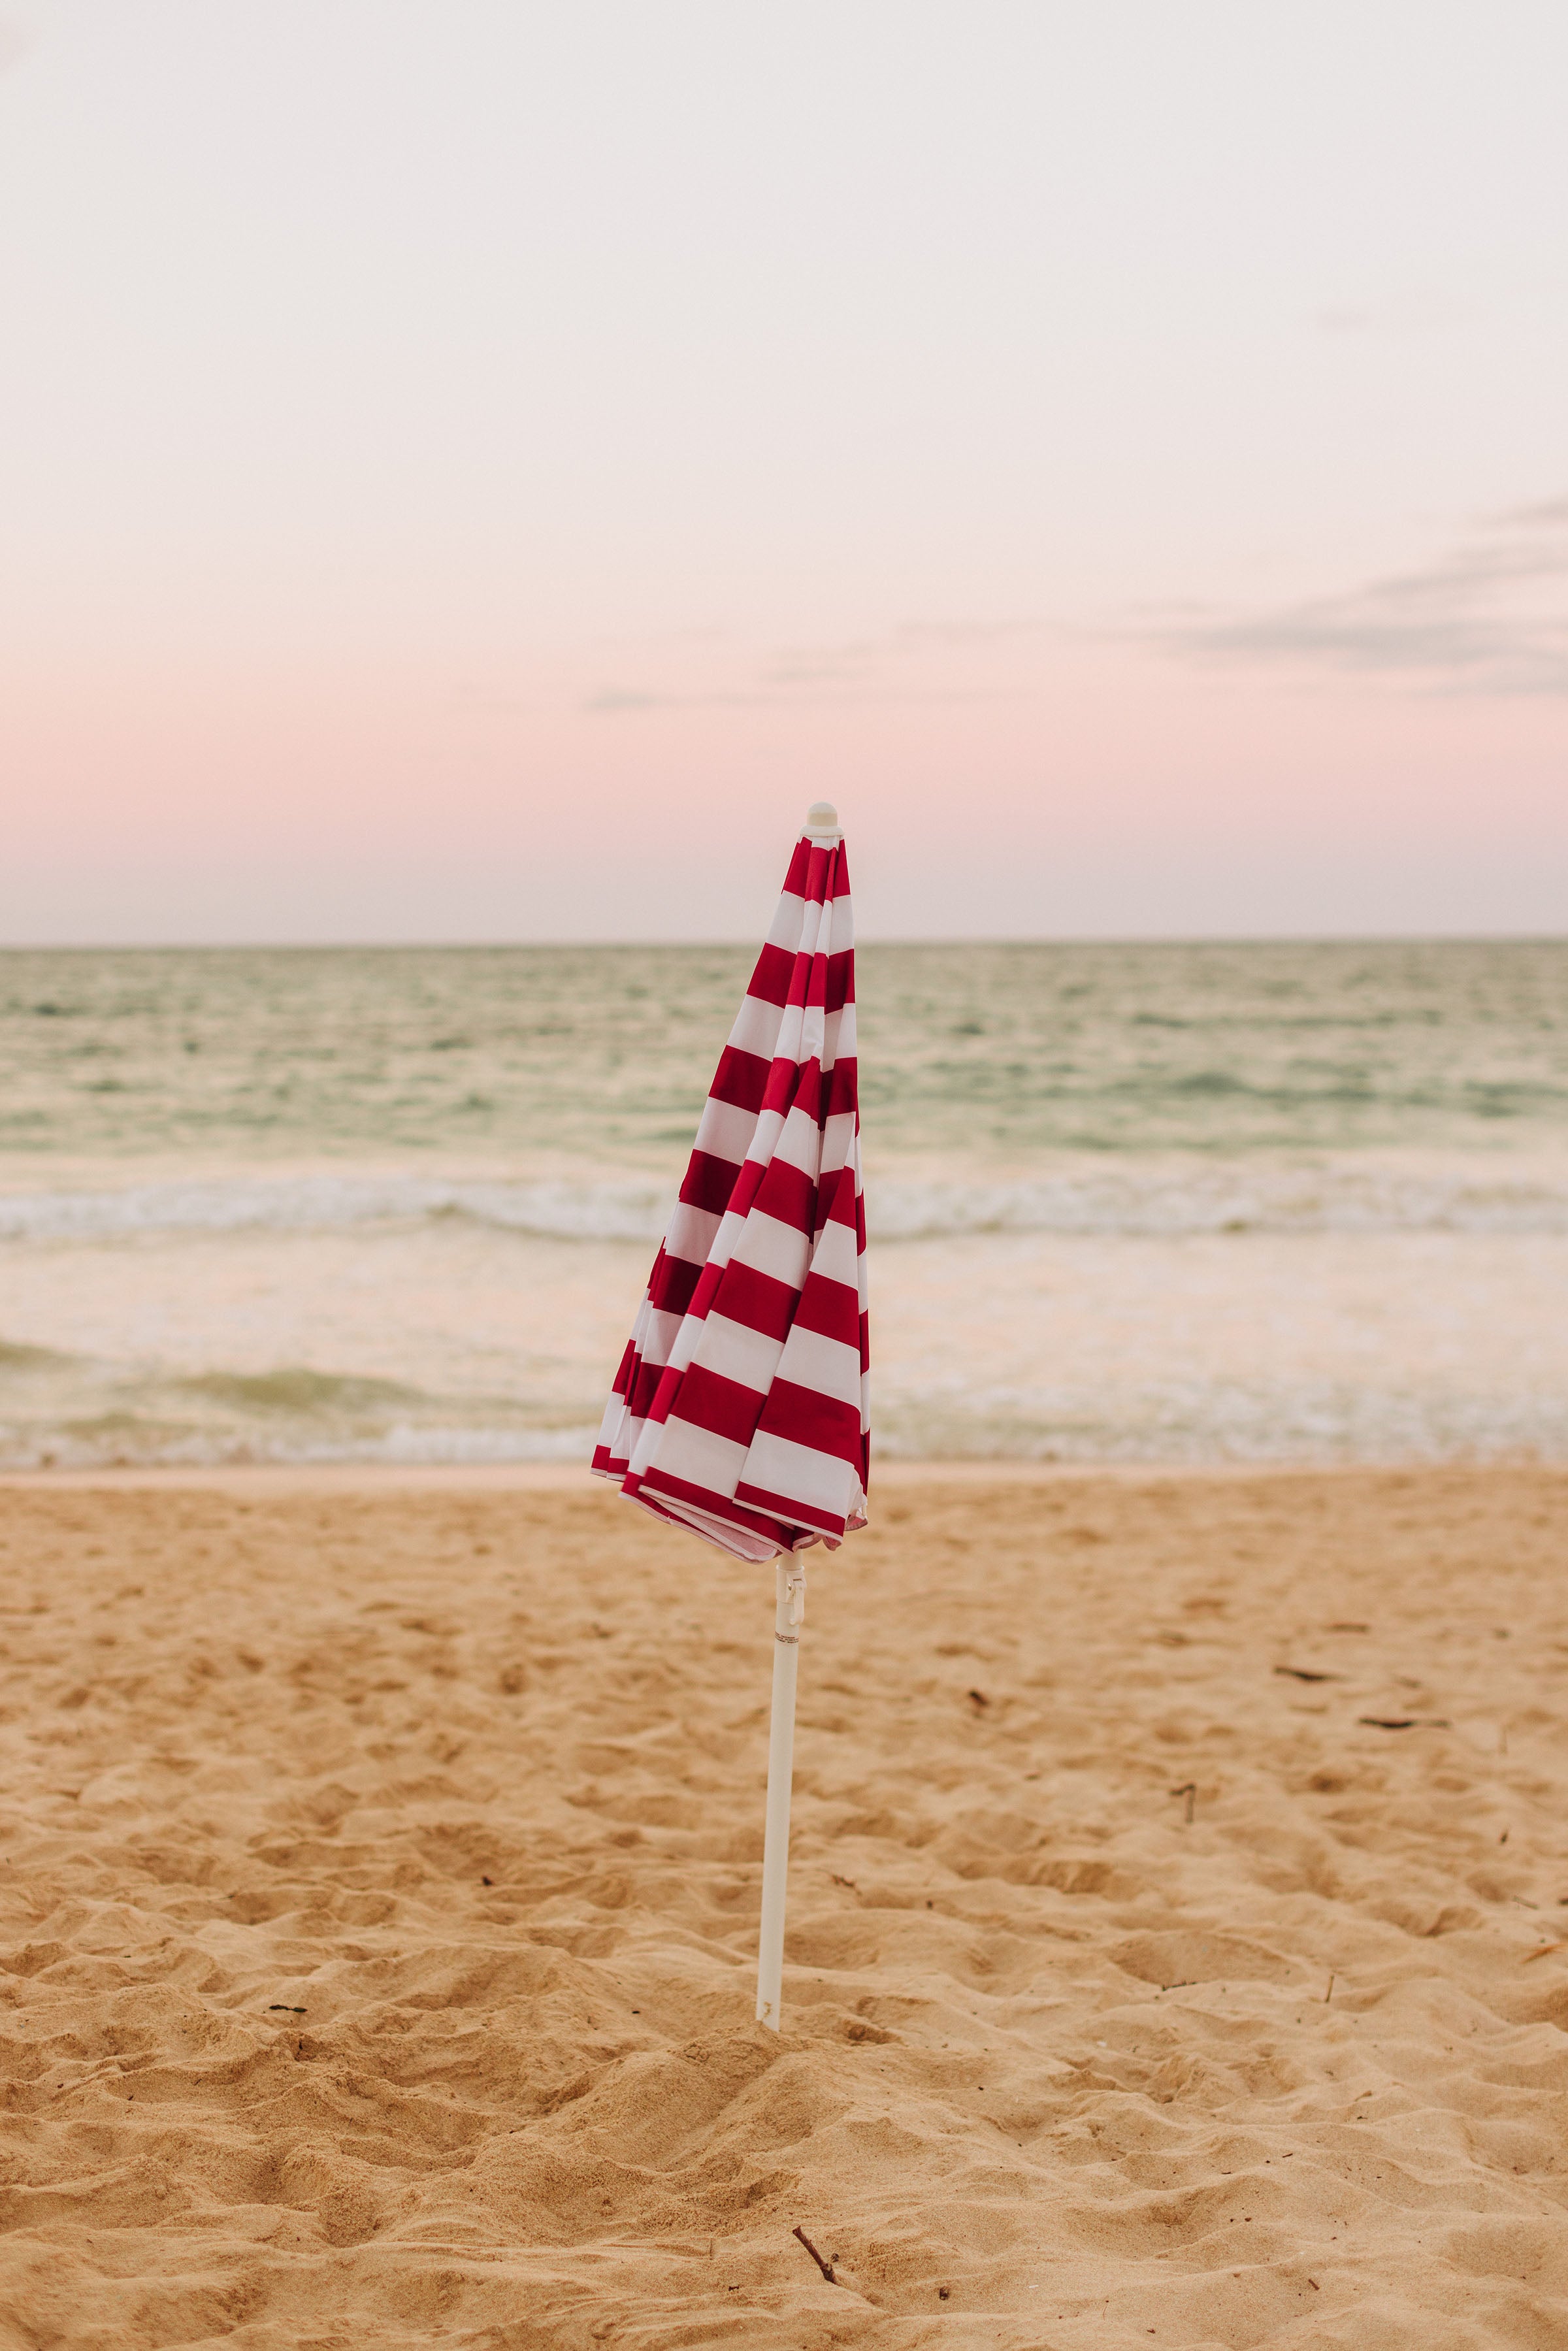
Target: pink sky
481, 475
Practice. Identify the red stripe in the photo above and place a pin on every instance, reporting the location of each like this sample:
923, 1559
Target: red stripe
785, 1080
806, 1417
836, 1203
804, 1514
721, 1505
830, 1307
774, 977
709, 1182
672, 1282
756, 1300
818, 871
665, 1392
741, 1079
807, 1092
788, 1196
724, 1408
687, 1526
841, 1088
645, 1387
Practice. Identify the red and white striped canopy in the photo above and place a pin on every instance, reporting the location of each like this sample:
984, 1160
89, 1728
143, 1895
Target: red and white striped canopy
740, 1409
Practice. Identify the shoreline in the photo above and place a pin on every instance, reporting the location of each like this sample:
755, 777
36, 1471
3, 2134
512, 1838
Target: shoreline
267, 1478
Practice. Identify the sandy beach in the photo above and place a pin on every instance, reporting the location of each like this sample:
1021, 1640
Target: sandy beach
1178, 1953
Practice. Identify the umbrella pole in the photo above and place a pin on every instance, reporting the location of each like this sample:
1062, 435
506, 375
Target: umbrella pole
790, 1612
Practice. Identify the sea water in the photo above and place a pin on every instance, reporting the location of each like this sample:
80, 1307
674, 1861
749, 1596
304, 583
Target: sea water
1201, 1202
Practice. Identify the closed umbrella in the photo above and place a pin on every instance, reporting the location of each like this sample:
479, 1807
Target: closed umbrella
740, 1409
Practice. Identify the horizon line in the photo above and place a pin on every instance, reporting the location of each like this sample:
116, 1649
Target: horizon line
644, 946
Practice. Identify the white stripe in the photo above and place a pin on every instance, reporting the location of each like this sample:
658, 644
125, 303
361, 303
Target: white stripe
689, 1233
731, 1226
655, 1335
756, 1028
698, 1457
799, 1473
621, 1442
835, 1254
687, 1339
811, 1360
764, 1141
784, 930
787, 1048
647, 1445
774, 1248
840, 1037
838, 1142
750, 1357
725, 1131
800, 1143
816, 930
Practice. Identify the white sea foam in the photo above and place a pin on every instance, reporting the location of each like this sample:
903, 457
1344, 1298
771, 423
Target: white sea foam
42, 1445
615, 1209
1091, 1194
1348, 1194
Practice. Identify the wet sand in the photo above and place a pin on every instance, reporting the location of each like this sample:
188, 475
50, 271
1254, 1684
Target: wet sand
1178, 1943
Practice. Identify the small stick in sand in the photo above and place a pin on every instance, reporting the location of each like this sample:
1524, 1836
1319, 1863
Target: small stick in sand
1329, 1994
1299, 1674
1188, 1790
826, 2267
1540, 1951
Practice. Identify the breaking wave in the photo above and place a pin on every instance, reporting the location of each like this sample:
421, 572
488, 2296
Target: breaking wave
1090, 1195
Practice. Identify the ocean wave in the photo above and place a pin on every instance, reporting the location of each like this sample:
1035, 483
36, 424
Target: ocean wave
126, 1440
1122, 1199
1092, 1194
616, 1209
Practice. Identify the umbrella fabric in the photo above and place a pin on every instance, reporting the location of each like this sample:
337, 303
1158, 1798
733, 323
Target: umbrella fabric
740, 1409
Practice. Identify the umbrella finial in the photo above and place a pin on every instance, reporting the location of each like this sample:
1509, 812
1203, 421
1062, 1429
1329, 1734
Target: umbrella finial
821, 817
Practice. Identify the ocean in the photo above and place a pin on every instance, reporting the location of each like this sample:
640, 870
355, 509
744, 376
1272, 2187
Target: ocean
1187, 1203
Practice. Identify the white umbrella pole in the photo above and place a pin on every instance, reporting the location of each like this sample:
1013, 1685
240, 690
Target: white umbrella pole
788, 1615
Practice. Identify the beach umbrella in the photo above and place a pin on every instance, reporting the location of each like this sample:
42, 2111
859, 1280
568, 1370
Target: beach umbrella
740, 1409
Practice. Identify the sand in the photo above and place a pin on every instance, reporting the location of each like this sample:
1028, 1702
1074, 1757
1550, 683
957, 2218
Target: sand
380, 1877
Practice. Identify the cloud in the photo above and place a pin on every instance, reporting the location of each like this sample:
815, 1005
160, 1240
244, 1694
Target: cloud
1489, 616
1410, 310
917, 661
609, 700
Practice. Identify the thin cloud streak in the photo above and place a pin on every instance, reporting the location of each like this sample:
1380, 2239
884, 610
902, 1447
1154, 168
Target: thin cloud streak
893, 669
1488, 617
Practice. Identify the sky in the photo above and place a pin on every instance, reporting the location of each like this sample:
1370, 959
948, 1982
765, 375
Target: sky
479, 470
